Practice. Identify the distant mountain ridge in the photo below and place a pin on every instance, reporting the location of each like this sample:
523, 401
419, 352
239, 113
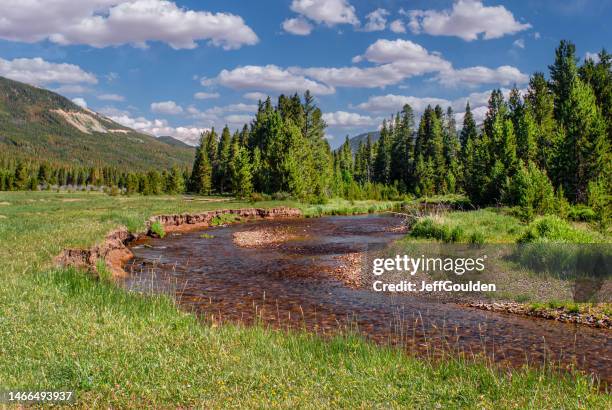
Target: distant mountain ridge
363, 138
38, 124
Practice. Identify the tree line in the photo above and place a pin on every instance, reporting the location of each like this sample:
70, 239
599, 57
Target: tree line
537, 149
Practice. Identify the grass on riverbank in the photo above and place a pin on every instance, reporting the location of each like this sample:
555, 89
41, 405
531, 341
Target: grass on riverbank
62, 329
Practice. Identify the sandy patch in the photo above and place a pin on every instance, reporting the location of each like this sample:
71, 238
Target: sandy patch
262, 237
72, 200
5, 203
350, 268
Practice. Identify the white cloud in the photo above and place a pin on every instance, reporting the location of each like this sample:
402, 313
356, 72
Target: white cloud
255, 96
298, 26
40, 72
205, 96
111, 97
166, 107
398, 59
188, 134
392, 103
397, 26
519, 43
394, 61
376, 20
102, 23
238, 120
472, 76
467, 20
80, 102
270, 78
592, 56
329, 12
537, 35
343, 119
72, 89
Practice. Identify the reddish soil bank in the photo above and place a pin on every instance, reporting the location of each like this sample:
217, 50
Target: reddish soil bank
114, 249
191, 222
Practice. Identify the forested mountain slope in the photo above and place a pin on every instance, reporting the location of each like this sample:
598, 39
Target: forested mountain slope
37, 124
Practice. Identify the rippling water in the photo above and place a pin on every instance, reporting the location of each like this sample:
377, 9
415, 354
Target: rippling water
293, 285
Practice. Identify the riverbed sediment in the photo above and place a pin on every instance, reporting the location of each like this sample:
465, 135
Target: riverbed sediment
114, 250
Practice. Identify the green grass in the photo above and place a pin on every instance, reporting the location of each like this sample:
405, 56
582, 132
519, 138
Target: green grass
552, 229
484, 225
64, 329
158, 229
344, 207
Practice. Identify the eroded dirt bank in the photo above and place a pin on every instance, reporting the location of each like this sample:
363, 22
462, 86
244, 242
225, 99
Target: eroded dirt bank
114, 250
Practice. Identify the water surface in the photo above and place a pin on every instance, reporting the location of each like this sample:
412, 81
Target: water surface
295, 284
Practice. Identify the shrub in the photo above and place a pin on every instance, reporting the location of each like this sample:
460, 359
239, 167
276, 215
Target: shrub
600, 201
553, 229
281, 196
258, 197
157, 229
428, 228
531, 190
581, 213
477, 238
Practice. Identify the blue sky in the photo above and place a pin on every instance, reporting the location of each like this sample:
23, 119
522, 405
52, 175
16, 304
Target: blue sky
179, 67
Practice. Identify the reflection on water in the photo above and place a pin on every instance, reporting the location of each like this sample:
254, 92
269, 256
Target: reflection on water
292, 285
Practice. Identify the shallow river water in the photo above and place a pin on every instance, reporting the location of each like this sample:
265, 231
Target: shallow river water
294, 284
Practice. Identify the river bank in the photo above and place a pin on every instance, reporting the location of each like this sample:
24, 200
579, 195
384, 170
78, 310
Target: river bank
65, 329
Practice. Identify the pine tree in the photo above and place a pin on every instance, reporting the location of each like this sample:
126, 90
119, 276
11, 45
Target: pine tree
585, 153
241, 171
176, 183
402, 151
468, 131
382, 161
21, 176
540, 102
222, 171
201, 175
562, 76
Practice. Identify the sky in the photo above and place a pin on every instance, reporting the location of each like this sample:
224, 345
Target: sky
183, 66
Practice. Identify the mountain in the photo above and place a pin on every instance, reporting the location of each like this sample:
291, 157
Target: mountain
173, 141
354, 141
38, 124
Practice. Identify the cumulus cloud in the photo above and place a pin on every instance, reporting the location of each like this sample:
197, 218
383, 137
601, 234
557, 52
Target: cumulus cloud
103, 23
37, 71
468, 19
376, 20
111, 97
270, 78
166, 107
157, 127
519, 43
329, 12
472, 76
392, 103
393, 61
397, 59
255, 96
237, 120
397, 26
206, 96
592, 56
298, 26
80, 102
72, 89
343, 119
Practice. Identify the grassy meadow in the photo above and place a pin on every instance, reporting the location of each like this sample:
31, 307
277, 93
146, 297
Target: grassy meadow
61, 329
